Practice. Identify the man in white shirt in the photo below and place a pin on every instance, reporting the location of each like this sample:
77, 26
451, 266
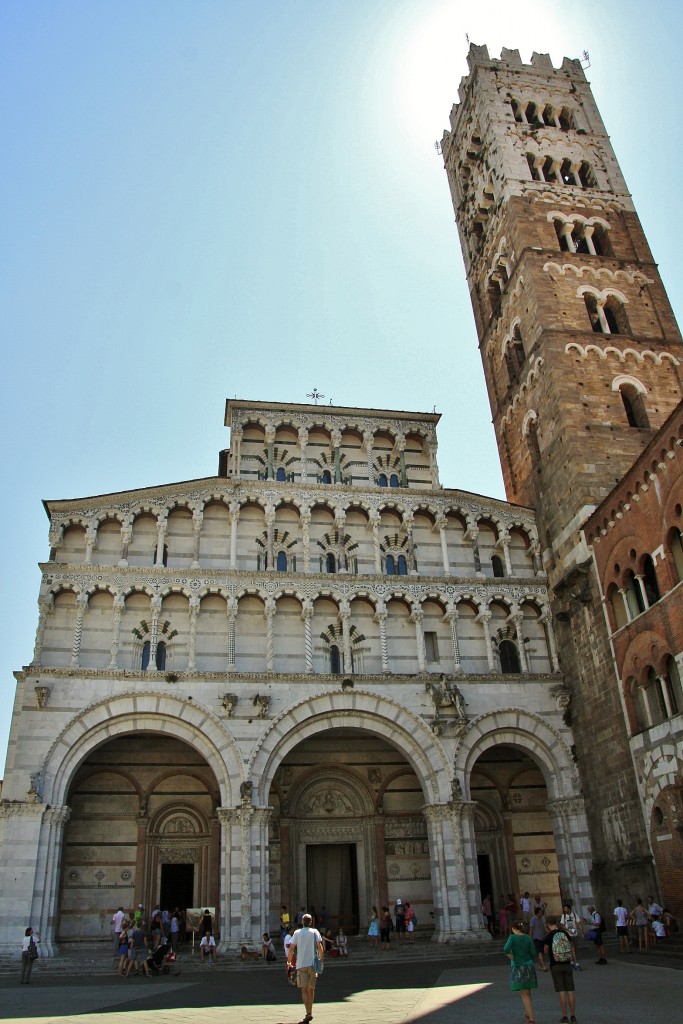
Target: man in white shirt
306, 941
117, 921
207, 947
621, 921
653, 908
525, 907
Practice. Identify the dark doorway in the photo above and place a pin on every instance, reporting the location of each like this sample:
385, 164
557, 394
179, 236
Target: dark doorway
177, 886
332, 884
485, 883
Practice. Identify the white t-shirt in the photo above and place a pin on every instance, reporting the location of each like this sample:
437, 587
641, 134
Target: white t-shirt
621, 915
525, 904
117, 919
207, 940
659, 929
306, 941
288, 943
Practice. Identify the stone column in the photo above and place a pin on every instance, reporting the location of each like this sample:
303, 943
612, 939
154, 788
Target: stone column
643, 592
368, 441
574, 858
305, 519
307, 616
269, 614
547, 620
161, 537
54, 821
197, 519
303, 445
381, 618
664, 690
230, 932
451, 617
566, 232
484, 617
232, 615
535, 552
345, 616
119, 605
141, 854
234, 519
441, 524
416, 617
126, 537
270, 537
588, 235
451, 854
81, 606
46, 607
374, 523
518, 619
195, 604
270, 444
472, 534
381, 862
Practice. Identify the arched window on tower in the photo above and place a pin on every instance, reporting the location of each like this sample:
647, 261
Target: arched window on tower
634, 406
401, 566
634, 598
586, 176
497, 565
616, 603
533, 169
676, 548
161, 656
672, 684
280, 475
146, 649
390, 565
281, 563
606, 314
326, 477
393, 480
330, 563
335, 660
382, 480
509, 657
650, 580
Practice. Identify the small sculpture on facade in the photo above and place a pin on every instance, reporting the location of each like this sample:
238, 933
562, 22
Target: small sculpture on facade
246, 789
42, 695
263, 703
446, 694
456, 789
229, 701
33, 792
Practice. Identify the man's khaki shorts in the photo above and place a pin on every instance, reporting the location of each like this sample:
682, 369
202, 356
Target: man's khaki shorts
306, 977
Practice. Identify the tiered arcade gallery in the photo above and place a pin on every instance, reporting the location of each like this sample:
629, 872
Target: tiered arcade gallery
318, 678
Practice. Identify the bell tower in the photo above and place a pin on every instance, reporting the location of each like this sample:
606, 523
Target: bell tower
581, 352
583, 363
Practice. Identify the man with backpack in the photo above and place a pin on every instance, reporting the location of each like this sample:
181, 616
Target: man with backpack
558, 949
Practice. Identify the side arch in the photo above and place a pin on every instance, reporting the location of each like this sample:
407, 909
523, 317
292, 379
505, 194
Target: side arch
141, 712
367, 711
531, 733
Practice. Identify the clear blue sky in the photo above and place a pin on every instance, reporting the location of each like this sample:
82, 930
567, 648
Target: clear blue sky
207, 199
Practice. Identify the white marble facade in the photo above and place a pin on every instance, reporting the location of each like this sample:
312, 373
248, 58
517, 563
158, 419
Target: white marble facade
321, 645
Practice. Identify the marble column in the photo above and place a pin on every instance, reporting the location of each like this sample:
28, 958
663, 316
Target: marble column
197, 520
307, 616
376, 550
155, 609
572, 845
90, 542
234, 519
270, 537
236, 434
416, 617
162, 519
46, 606
441, 524
269, 614
345, 616
232, 615
54, 822
381, 619
81, 607
547, 620
484, 617
451, 617
195, 604
119, 605
305, 520
303, 458
518, 619
126, 537
340, 528
368, 441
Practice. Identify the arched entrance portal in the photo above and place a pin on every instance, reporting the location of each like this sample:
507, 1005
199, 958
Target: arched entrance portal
142, 829
514, 833
347, 830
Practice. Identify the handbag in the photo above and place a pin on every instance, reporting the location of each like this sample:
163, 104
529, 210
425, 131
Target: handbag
32, 950
592, 934
317, 963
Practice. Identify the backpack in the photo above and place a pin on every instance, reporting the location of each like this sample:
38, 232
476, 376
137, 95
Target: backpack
414, 920
561, 948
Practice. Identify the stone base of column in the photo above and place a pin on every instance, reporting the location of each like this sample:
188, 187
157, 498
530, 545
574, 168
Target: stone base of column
480, 935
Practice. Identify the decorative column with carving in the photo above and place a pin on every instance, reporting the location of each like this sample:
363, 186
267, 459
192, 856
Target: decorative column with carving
119, 605
368, 441
192, 642
90, 542
56, 538
472, 535
270, 445
518, 619
340, 527
433, 466
547, 620
305, 520
307, 616
416, 617
441, 523
345, 616
234, 519
232, 615
374, 523
484, 617
408, 527
401, 446
381, 618
81, 606
162, 520
197, 520
451, 617
269, 614
504, 543
236, 450
155, 609
126, 537
270, 537
336, 439
303, 458
46, 606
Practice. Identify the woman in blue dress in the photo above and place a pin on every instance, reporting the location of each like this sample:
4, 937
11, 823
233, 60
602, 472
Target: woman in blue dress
373, 930
522, 953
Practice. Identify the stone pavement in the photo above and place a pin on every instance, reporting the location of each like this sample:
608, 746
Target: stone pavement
424, 985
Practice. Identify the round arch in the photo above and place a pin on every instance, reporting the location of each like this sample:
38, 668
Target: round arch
144, 712
368, 711
516, 728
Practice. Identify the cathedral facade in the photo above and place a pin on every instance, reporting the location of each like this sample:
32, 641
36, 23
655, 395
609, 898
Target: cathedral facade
317, 678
